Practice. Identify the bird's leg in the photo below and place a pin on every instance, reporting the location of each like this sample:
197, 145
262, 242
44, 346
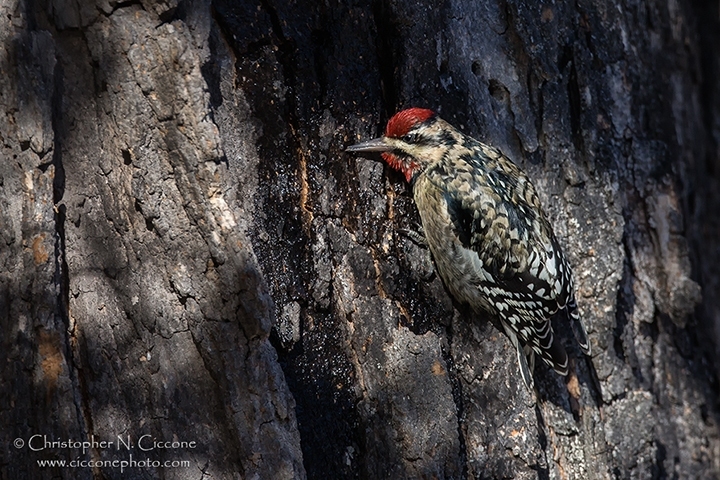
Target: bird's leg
416, 236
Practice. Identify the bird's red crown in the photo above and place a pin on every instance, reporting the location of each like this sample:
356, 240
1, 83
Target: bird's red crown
402, 122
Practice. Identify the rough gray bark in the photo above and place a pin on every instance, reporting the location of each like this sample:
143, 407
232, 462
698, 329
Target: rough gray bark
131, 300
173, 185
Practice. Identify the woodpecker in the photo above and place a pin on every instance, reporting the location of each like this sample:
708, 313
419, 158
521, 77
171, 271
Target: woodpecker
491, 241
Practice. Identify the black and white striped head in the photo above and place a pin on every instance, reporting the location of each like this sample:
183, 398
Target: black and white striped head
414, 139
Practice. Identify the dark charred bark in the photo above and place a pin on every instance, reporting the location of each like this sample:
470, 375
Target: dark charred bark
188, 255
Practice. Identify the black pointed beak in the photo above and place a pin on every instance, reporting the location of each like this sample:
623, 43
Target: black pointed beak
374, 145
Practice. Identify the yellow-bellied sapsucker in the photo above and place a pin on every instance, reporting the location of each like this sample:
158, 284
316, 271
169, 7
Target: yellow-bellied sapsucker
492, 244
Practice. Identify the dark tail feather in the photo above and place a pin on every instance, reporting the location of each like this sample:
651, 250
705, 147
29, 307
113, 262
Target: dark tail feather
522, 353
550, 348
556, 357
525, 369
578, 327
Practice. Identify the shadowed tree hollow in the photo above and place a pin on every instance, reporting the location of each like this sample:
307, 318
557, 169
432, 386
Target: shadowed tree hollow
196, 278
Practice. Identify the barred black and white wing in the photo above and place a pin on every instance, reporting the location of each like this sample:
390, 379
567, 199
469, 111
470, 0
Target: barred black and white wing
503, 247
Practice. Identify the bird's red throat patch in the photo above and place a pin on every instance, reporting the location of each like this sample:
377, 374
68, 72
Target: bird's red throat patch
407, 169
402, 122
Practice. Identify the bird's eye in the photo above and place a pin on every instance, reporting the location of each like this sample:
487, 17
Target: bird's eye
412, 138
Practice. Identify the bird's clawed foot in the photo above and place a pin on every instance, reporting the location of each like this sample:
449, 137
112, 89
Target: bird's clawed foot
416, 236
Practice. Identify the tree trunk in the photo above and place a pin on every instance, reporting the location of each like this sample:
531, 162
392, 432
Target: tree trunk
194, 272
